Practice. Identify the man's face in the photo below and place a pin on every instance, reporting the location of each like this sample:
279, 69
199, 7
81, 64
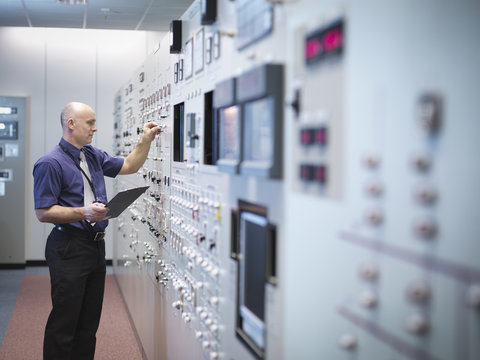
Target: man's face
84, 126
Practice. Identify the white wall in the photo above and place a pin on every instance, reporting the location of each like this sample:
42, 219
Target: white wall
53, 67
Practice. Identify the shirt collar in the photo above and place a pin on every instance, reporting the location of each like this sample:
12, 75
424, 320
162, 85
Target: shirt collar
71, 149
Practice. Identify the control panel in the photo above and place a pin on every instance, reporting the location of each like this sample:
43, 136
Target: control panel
13, 122
311, 189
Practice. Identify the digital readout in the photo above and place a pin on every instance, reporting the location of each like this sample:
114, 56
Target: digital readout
324, 43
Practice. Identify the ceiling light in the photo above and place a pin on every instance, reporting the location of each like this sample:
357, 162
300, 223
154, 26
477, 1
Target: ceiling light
72, 2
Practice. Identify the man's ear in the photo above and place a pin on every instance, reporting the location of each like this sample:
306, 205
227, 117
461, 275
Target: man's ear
71, 123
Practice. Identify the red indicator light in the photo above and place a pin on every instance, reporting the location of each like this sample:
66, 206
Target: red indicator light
313, 47
324, 43
332, 39
306, 137
320, 174
321, 136
306, 172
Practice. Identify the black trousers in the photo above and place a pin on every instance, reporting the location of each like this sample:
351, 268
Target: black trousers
77, 276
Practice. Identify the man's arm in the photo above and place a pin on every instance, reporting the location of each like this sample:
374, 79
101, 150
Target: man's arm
137, 157
57, 214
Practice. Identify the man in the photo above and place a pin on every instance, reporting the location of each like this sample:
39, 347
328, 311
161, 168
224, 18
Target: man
72, 196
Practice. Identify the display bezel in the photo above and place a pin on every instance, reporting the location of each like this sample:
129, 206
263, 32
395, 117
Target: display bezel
199, 52
249, 328
188, 59
262, 82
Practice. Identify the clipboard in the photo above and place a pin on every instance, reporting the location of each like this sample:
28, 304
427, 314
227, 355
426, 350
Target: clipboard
123, 200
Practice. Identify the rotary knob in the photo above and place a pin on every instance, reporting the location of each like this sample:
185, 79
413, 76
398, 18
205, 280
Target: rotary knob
374, 216
374, 188
421, 162
368, 271
419, 292
425, 194
425, 227
347, 342
371, 161
417, 324
368, 299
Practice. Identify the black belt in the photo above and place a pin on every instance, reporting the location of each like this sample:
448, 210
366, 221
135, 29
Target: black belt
95, 236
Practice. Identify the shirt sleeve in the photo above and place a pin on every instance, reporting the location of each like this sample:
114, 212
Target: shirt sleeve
46, 184
111, 165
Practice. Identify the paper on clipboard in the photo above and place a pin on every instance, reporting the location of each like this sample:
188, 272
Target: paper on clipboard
123, 200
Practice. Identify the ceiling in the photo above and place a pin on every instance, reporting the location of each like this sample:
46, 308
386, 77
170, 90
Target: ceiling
147, 15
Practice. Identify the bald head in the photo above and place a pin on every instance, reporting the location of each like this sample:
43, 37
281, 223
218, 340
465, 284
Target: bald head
70, 110
78, 123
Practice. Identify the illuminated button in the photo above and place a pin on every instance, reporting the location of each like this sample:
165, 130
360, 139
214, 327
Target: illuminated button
307, 172
320, 136
347, 342
320, 174
198, 334
214, 355
208, 322
306, 137
203, 315
206, 344
417, 324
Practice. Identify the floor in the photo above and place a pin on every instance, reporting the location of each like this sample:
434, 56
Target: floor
10, 282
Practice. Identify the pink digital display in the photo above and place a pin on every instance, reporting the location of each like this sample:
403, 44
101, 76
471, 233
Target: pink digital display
324, 43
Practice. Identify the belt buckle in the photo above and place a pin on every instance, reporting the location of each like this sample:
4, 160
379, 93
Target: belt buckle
99, 236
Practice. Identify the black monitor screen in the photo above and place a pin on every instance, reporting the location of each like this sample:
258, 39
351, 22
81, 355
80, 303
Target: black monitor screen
253, 248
